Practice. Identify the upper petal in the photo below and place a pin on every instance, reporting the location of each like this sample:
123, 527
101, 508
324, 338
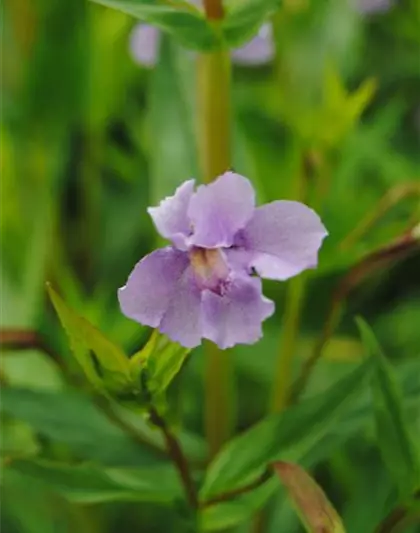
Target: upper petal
151, 285
283, 238
236, 316
170, 216
218, 210
257, 51
144, 44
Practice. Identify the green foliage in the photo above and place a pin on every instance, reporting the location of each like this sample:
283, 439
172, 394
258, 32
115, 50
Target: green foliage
171, 141
90, 484
394, 436
288, 436
183, 21
231, 513
243, 19
160, 361
90, 139
72, 420
110, 369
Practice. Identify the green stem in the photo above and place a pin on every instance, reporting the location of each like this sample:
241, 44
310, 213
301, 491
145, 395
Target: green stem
214, 113
284, 371
177, 455
213, 100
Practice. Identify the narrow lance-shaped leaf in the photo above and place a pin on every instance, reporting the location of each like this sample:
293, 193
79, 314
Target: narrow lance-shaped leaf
287, 436
92, 484
313, 507
393, 434
72, 420
86, 340
232, 512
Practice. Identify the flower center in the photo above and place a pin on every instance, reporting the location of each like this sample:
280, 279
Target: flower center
210, 268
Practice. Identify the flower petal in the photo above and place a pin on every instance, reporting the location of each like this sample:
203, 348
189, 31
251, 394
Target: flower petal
144, 44
182, 320
257, 51
282, 239
236, 316
170, 216
152, 285
218, 210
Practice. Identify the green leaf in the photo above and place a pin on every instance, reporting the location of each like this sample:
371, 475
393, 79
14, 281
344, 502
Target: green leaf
230, 513
163, 365
393, 435
91, 484
170, 122
85, 340
139, 360
288, 436
71, 419
244, 19
161, 359
184, 21
314, 509
17, 439
44, 512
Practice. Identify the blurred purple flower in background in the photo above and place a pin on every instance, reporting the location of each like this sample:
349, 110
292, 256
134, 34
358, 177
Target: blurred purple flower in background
258, 51
144, 47
144, 44
203, 285
372, 6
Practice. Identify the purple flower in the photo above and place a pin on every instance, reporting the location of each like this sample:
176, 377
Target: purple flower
258, 51
372, 6
144, 44
203, 285
144, 47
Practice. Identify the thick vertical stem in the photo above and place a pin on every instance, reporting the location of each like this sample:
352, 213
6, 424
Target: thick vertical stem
214, 113
213, 100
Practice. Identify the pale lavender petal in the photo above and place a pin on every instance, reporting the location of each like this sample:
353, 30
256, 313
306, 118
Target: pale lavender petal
258, 51
282, 239
152, 284
182, 319
236, 316
170, 216
144, 44
218, 210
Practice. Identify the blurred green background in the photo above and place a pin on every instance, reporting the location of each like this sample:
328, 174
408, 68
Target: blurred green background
90, 139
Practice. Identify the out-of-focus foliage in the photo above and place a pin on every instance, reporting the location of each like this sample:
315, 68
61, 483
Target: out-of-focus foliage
89, 140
